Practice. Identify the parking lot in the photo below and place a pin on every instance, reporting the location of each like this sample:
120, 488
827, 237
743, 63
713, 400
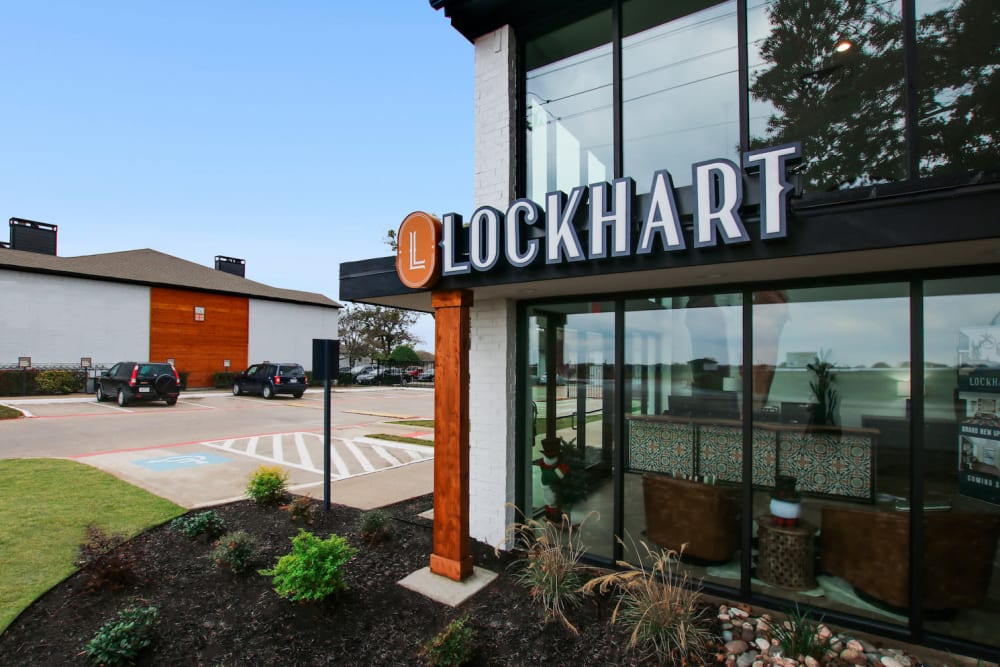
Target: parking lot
202, 450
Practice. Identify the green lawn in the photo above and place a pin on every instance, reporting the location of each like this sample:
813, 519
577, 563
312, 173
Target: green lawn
402, 438
45, 504
9, 413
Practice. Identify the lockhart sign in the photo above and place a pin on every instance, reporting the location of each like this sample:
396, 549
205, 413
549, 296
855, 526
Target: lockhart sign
525, 233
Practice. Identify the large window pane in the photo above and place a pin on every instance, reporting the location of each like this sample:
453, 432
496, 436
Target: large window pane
570, 404
962, 374
680, 87
568, 107
683, 430
831, 446
959, 55
845, 107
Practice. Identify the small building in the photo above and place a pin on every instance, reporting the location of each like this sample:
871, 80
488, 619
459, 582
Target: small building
672, 198
147, 305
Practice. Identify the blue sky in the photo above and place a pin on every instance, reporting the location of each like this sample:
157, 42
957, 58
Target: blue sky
292, 135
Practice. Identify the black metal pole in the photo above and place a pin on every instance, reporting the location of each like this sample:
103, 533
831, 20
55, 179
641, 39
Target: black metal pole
326, 427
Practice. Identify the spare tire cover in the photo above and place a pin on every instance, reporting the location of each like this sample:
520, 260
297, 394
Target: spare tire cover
165, 383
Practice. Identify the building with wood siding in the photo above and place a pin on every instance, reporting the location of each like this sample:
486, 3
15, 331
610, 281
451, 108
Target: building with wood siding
144, 304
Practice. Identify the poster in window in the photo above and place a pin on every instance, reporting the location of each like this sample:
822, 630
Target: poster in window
979, 431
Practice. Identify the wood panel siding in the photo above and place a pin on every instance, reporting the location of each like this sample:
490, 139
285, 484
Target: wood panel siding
198, 347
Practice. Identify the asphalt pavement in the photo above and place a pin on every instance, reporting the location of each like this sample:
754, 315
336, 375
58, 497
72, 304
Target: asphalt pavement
165, 456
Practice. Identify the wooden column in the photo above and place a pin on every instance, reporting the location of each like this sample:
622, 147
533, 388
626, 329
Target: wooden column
452, 556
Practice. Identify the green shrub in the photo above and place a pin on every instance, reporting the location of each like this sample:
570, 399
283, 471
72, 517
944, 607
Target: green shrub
551, 569
235, 551
375, 526
107, 560
451, 647
267, 485
223, 380
207, 523
662, 611
301, 508
18, 382
118, 642
58, 382
313, 570
799, 636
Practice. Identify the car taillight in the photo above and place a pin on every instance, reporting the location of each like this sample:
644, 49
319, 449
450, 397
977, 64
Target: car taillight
177, 377
277, 379
135, 371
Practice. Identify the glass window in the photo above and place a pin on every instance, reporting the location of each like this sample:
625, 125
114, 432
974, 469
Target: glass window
959, 53
845, 106
680, 87
570, 405
831, 446
684, 437
962, 443
568, 106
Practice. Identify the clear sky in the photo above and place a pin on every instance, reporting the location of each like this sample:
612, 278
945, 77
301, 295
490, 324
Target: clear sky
289, 134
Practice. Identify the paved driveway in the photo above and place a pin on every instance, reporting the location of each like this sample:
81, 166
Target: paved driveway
203, 450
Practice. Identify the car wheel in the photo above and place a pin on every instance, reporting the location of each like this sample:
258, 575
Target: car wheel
122, 398
298, 394
171, 401
237, 389
100, 394
267, 392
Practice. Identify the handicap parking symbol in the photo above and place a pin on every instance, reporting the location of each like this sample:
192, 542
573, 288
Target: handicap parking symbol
180, 461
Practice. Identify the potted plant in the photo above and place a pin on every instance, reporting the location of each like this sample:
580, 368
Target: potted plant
824, 410
786, 502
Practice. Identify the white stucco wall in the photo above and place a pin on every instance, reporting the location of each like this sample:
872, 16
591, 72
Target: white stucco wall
274, 337
58, 319
492, 322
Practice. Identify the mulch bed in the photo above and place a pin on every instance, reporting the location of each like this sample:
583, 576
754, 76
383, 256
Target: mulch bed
209, 616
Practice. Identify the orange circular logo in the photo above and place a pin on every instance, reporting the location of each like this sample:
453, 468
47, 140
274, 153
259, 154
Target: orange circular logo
417, 250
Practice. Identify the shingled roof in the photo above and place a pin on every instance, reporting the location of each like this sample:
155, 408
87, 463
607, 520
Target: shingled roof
150, 267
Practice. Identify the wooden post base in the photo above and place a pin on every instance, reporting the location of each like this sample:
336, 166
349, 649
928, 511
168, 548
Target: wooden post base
457, 570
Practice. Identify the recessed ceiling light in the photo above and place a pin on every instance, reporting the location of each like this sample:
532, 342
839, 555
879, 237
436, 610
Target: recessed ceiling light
843, 45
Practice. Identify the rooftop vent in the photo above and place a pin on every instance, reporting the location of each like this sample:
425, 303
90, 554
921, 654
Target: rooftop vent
233, 265
33, 236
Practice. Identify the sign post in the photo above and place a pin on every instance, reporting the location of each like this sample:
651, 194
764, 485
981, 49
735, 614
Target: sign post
326, 357
24, 363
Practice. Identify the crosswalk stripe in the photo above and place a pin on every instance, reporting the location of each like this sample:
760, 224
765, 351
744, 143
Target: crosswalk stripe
252, 445
279, 453
228, 444
337, 461
304, 457
362, 459
387, 456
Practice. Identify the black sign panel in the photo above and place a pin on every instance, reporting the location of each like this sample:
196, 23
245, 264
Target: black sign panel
326, 358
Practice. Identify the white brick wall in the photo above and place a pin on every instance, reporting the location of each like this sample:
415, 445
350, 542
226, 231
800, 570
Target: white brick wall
494, 119
491, 418
492, 330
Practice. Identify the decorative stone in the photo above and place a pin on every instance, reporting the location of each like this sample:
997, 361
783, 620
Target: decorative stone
746, 659
727, 635
849, 655
763, 644
747, 635
811, 661
855, 645
736, 612
762, 626
890, 661
736, 646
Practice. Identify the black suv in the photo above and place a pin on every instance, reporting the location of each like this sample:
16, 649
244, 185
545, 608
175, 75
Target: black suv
129, 381
269, 378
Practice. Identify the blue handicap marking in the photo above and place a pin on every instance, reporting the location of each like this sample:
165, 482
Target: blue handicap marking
180, 461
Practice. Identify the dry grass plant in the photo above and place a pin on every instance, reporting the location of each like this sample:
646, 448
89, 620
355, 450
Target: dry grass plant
551, 568
660, 606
